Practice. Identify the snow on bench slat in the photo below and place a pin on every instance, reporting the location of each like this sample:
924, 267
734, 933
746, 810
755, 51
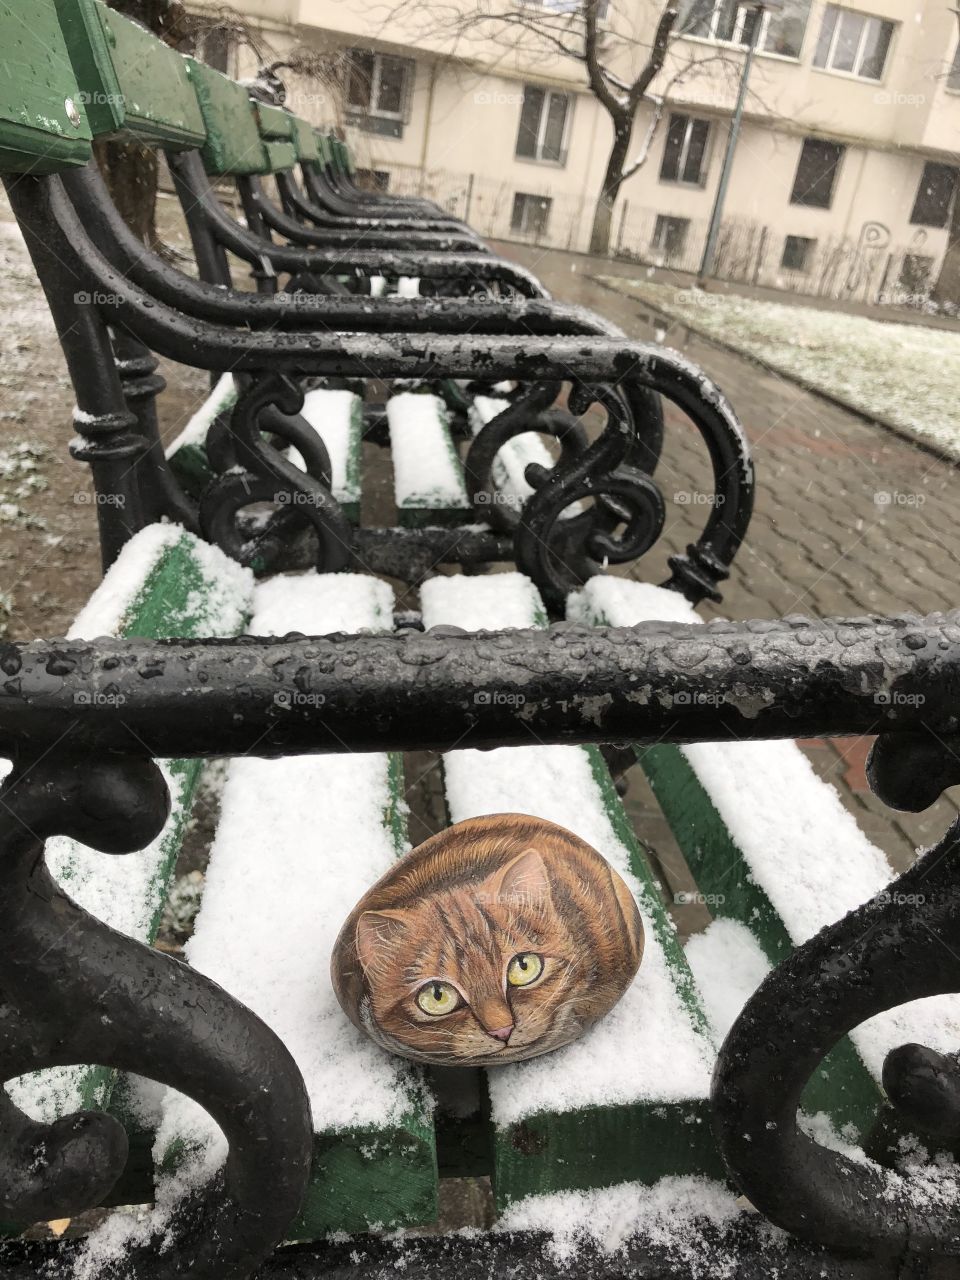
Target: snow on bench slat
335, 416
509, 469
299, 841
223, 396
800, 844
646, 1048
728, 964
127, 892
670, 1215
427, 472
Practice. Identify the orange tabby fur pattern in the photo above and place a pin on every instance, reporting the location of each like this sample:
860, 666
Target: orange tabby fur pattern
501, 938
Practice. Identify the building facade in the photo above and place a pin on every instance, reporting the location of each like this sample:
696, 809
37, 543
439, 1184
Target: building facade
844, 177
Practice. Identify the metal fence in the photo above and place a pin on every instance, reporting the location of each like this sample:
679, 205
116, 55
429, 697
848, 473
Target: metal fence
868, 269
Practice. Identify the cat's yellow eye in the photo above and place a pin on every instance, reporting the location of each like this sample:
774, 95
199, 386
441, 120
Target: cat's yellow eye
524, 969
438, 998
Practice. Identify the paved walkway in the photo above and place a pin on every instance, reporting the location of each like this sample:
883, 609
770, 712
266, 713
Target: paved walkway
849, 519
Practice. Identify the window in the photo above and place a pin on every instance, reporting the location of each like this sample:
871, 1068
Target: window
931, 208
670, 235
732, 20
378, 91
816, 173
372, 179
543, 125
853, 42
953, 75
685, 150
796, 253
530, 214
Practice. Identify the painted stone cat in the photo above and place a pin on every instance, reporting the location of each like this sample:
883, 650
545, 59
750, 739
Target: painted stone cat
501, 938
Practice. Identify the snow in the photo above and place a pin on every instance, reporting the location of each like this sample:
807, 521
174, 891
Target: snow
333, 415
220, 610
728, 964
799, 843
667, 1058
299, 841
223, 396
670, 1215
426, 469
900, 374
127, 892
408, 287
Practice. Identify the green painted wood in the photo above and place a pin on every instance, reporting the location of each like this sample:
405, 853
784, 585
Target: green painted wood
425, 506
279, 156
274, 122
176, 599
842, 1086
44, 123
601, 1145
132, 82
233, 144
305, 140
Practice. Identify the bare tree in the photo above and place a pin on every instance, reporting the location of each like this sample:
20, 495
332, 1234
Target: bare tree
575, 30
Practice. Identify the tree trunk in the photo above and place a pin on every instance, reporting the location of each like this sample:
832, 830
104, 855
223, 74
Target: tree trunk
130, 169
947, 288
612, 181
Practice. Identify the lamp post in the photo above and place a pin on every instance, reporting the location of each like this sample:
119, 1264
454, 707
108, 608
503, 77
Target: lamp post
760, 8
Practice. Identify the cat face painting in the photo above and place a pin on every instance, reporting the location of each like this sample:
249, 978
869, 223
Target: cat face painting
501, 938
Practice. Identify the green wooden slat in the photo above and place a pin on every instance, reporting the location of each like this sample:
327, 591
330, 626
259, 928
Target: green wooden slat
233, 144
132, 82
424, 503
305, 139
842, 1087
176, 599
274, 122
44, 123
601, 1145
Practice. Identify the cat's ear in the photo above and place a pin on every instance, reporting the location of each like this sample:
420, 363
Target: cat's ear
524, 876
377, 931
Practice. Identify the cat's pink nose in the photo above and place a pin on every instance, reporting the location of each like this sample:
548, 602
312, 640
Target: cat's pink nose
503, 1033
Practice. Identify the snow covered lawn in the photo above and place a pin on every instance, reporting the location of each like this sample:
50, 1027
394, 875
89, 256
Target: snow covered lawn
902, 375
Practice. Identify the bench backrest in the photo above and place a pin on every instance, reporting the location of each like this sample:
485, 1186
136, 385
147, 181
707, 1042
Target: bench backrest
132, 82
234, 144
44, 125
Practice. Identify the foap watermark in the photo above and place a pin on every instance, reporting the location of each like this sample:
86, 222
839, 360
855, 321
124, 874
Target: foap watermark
895, 698
894, 498
694, 898
699, 698
297, 498
695, 498
290, 698
82, 498
96, 698
97, 299
99, 99
497, 98
894, 98
496, 498
698, 298
895, 899
497, 698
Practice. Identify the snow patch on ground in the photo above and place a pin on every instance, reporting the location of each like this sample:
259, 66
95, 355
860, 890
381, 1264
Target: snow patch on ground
901, 374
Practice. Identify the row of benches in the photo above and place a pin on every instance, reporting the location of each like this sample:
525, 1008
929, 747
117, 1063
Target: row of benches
239, 1141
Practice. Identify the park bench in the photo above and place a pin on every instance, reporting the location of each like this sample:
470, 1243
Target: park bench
620, 1136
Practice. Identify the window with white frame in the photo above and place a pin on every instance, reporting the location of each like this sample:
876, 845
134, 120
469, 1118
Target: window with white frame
544, 123
781, 32
816, 175
855, 43
378, 91
685, 150
571, 6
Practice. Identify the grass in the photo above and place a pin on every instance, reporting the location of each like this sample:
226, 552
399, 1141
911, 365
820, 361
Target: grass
901, 375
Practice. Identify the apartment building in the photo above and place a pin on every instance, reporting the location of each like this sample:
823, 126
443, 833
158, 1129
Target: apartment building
845, 172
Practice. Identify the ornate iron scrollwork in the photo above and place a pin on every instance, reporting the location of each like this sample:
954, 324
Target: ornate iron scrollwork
903, 945
251, 471
73, 991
